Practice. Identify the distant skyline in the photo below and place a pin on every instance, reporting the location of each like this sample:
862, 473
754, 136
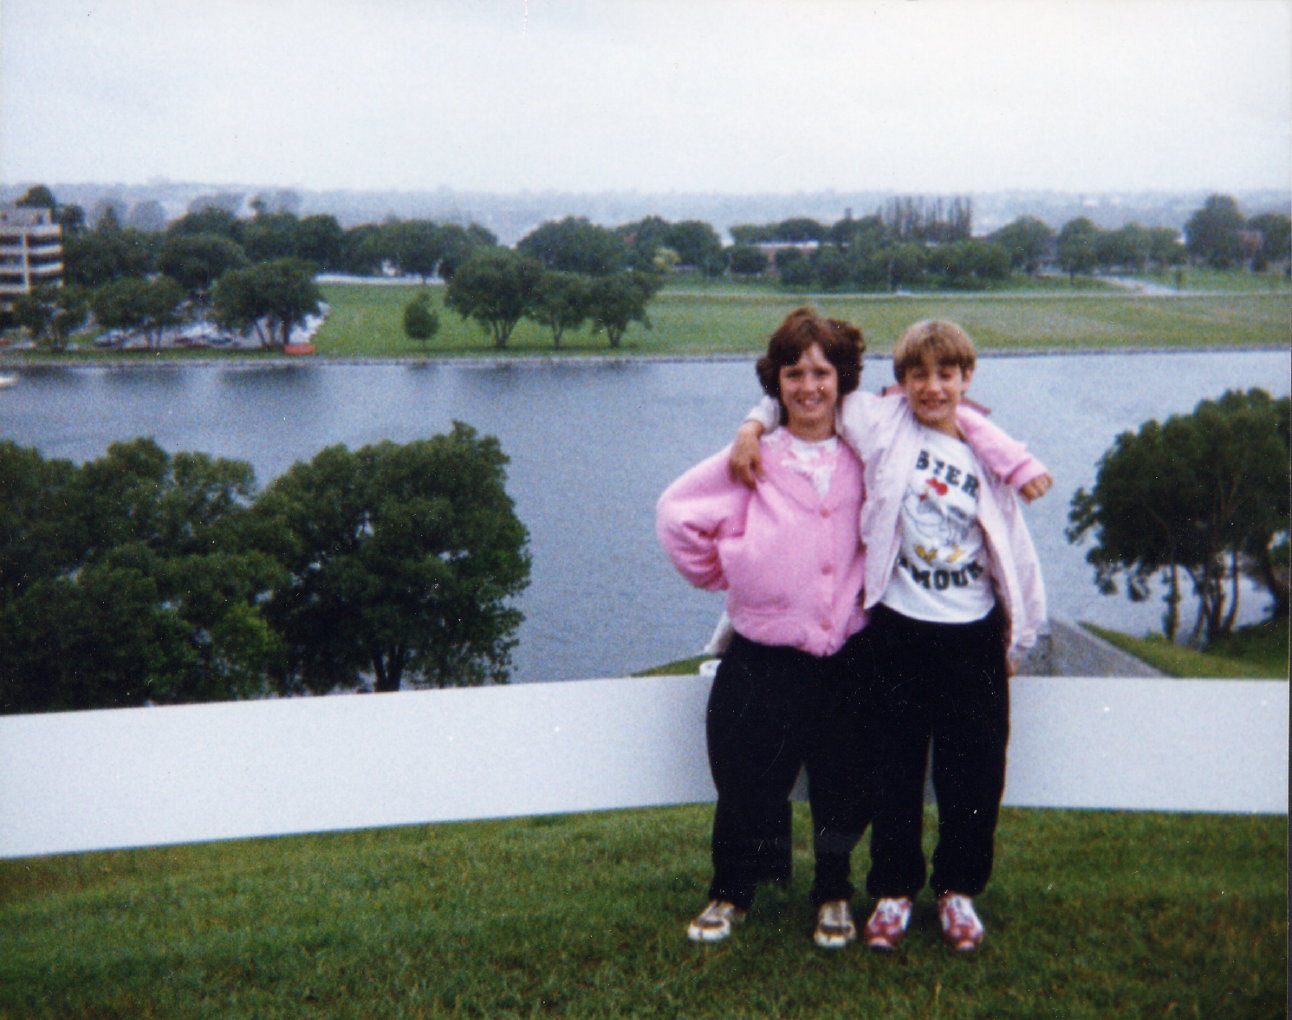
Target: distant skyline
735, 96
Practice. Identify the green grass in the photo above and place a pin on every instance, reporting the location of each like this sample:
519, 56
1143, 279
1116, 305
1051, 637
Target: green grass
1090, 914
365, 322
1201, 279
696, 319
1256, 652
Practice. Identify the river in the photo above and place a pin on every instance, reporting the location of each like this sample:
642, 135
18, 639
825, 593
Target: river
592, 444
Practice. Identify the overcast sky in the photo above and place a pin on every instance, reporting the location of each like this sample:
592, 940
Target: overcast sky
936, 96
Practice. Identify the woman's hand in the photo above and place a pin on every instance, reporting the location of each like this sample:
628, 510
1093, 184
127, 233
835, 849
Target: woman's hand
746, 461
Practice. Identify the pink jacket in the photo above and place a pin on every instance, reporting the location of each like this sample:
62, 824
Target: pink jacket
885, 434
790, 561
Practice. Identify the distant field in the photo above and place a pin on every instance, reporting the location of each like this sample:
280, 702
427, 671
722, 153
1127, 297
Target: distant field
366, 322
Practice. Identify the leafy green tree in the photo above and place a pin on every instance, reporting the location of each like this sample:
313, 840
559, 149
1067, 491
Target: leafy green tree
561, 302
1127, 247
1204, 494
402, 562
459, 243
143, 306
271, 297
416, 247
128, 581
615, 302
38, 196
496, 287
51, 314
108, 253
799, 229
1076, 246
831, 267
421, 322
364, 249
577, 246
746, 260
319, 240
208, 219
271, 236
1165, 247
1214, 232
196, 261
1029, 242
794, 268
643, 238
1276, 238
696, 243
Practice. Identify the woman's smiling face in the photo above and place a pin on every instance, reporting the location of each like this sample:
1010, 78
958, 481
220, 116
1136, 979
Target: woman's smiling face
810, 391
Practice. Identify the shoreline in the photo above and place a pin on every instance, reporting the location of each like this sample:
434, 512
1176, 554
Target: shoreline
10, 362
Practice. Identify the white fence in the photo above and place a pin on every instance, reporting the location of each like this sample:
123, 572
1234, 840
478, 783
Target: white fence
133, 777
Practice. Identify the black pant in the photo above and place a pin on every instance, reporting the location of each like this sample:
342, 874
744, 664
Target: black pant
764, 724
946, 686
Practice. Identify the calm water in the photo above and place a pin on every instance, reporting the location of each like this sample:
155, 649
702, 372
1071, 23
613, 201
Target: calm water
593, 445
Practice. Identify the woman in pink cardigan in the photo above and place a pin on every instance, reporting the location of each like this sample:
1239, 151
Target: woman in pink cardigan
788, 554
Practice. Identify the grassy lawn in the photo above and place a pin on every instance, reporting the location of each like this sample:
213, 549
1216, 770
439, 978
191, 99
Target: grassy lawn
1256, 652
1090, 914
696, 318
366, 322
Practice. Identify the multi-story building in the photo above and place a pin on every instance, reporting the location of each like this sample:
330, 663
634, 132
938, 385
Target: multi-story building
31, 251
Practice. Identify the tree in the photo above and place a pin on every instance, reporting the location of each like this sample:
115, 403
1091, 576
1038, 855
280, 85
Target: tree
1276, 238
39, 197
1214, 232
1204, 494
126, 581
208, 220
1127, 247
561, 302
145, 306
51, 314
746, 260
271, 297
420, 320
576, 246
459, 243
696, 243
196, 261
319, 240
401, 560
496, 287
415, 246
1029, 242
614, 302
271, 236
108, 253
1076, 246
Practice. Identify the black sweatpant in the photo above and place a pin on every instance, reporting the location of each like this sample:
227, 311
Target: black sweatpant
764, 724
946, 686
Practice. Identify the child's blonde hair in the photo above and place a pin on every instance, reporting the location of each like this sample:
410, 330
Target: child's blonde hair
945, 342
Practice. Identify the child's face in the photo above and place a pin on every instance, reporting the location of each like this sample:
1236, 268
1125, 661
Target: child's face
934, 391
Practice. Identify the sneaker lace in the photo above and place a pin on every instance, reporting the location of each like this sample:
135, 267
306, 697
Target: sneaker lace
889, 911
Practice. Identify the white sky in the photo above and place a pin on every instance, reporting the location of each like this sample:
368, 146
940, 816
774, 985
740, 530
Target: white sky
653, 95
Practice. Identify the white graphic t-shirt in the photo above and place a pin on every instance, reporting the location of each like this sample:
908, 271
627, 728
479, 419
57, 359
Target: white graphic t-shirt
942, 573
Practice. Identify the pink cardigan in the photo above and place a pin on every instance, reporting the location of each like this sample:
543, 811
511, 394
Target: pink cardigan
790, 561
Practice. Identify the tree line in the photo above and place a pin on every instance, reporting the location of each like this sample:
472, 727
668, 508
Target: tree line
144, 578
256, 274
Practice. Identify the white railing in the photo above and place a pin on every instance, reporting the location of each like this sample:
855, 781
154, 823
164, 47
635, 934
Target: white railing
132, 777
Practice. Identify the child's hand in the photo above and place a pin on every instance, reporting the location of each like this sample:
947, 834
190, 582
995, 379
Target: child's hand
1036, 488
746, 461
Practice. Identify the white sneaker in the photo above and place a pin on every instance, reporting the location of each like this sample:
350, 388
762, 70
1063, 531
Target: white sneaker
961, 928
834, 925
714, 924
887, 925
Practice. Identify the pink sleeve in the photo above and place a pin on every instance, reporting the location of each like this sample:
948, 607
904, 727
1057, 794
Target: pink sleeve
693, 513
1005, 457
